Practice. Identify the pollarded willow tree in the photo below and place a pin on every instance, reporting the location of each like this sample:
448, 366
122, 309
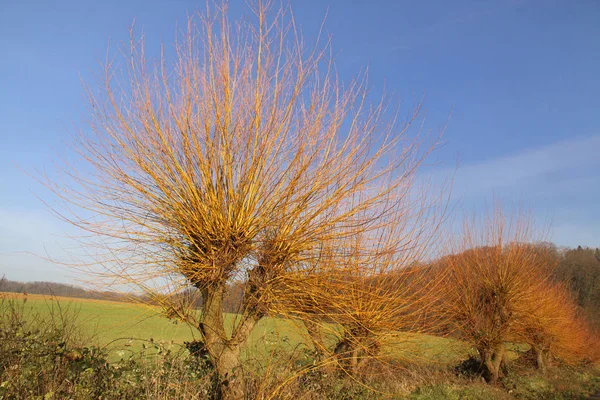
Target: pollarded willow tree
495, 276
236, 160
368, 287
500, 288
556, 328
553, 328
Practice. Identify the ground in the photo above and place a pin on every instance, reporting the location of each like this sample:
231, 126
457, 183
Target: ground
127, 329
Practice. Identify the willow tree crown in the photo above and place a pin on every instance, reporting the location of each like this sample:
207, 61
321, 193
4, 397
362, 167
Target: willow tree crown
244, 151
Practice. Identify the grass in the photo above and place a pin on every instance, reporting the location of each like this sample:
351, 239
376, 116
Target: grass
113, 324
474, 391
126, 328
427, 349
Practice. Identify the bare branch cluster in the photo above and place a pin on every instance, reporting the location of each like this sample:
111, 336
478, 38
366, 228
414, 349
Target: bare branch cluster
246, 161
500, 289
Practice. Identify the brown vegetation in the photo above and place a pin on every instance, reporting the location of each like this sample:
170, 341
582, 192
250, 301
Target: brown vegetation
500, 290
370, 286
492, 280
579, 270
553, 327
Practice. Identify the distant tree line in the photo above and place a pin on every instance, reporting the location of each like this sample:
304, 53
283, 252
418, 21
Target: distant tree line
579, 269
59, 289
232, 300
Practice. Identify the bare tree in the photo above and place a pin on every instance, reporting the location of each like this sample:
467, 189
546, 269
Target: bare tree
553, 327
372, 285
237, 162
493, 276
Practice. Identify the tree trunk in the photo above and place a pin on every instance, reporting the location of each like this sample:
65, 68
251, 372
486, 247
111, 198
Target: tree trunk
347, 355
316, 337
224, 351
352, 353
492, 359
354, 361
231, 378
541, 358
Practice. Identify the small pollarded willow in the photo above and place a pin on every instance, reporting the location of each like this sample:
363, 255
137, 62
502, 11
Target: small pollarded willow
236, 160
552, 327
495, 277
555, 328
365, 289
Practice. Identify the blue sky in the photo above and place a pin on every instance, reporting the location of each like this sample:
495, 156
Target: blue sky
520, 77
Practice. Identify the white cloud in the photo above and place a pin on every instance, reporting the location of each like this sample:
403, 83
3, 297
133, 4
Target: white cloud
558, 182
532, 167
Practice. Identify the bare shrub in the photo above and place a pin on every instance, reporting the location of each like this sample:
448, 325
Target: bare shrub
493, 277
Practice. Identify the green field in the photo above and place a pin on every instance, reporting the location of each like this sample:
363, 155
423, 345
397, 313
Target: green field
127, 328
